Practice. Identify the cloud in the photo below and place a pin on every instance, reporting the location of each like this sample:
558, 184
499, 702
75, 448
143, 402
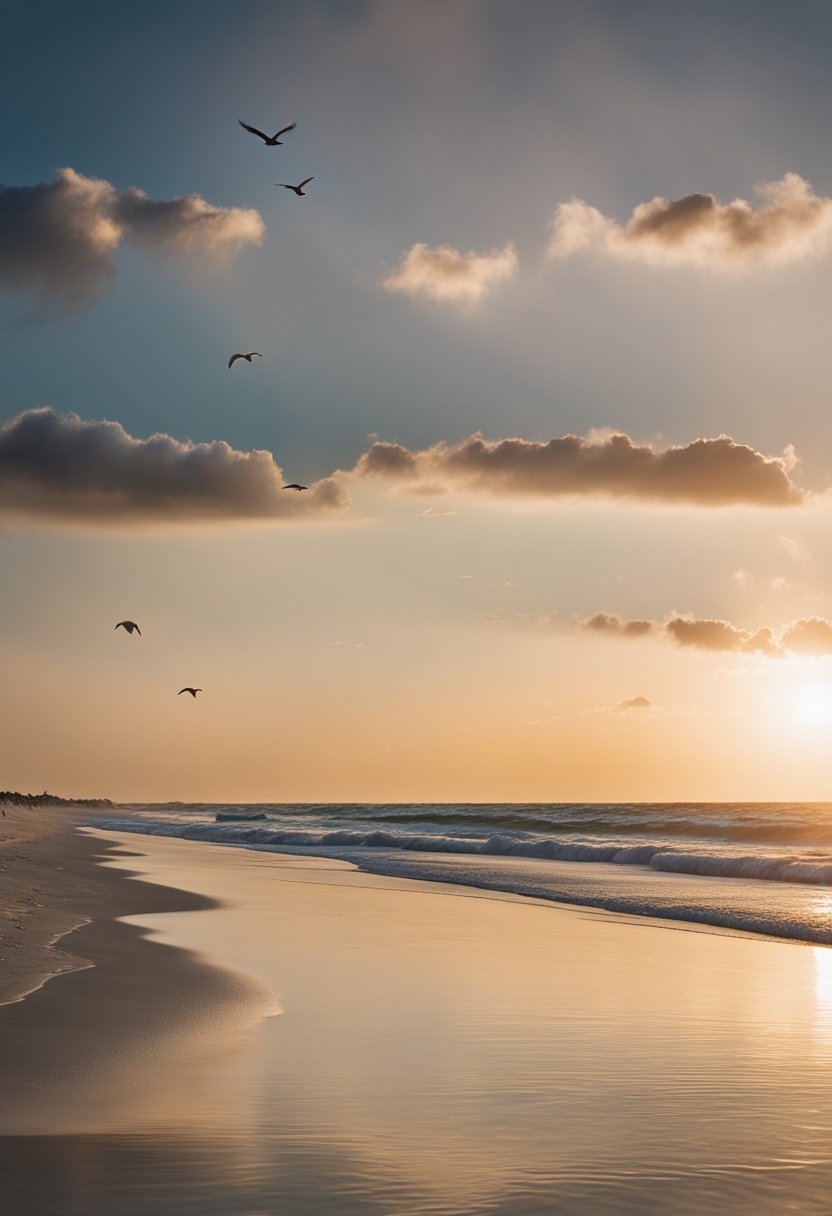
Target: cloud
638, 704
790, 224
63, 469
808, 635
708, 634
631, 707
58, 239
797, 550
445, 274
707, 472
610, 623
811, 635
66, 468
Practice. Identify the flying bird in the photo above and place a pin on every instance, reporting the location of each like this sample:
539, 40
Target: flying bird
192, 691
249, 356
271, 141
294, 486
299, 190
129, 627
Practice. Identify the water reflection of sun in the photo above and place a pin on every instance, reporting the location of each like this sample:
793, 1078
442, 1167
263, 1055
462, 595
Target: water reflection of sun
823, 989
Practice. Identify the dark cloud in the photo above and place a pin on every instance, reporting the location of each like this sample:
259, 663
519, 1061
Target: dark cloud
791, 223
809, 635
610, 623
58, 239
388, 460
716, 635
707, 472
66, 470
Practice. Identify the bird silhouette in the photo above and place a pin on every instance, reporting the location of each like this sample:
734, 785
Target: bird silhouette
129, 627
299, 190
293, 485
271, 141
192, 691
248, 356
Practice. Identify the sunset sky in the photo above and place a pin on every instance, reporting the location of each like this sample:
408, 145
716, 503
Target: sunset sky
600, 224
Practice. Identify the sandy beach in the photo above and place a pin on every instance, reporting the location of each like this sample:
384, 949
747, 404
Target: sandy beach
268, 1033
119, 993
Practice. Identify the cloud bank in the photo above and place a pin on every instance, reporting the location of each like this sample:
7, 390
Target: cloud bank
790, 224
808, 635
707, 472
445, 274
58, 239
62, 469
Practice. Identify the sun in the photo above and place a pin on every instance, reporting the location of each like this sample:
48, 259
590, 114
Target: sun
812, 706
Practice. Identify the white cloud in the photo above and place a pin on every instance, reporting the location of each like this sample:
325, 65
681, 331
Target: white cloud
796, 549
445, 274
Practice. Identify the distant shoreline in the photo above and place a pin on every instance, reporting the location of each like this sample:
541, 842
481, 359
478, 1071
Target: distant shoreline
15, 798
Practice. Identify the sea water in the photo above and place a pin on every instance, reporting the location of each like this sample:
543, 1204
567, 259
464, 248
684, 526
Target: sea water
758, 867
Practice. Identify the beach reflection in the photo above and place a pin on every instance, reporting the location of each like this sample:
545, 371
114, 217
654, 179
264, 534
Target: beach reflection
445, 1053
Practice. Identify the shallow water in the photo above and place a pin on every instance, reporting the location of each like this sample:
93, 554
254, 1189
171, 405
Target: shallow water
443, 1052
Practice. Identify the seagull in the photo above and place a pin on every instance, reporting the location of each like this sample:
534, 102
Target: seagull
249, 356
129, 627
294, 486
299, 190
192, 691
271, 141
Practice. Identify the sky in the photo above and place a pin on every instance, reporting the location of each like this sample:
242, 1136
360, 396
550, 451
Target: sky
551, 254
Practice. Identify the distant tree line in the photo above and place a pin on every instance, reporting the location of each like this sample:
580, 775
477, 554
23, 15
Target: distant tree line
14, 798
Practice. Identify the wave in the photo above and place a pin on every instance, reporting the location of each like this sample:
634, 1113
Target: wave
803, 869
799, 824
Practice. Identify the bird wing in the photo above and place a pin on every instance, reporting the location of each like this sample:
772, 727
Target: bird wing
138, 631
255, 352
234, 359
290, 127
181, 690
306, 182
253, 130
286, 186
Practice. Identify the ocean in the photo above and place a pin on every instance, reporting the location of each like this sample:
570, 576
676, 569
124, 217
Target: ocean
762, 868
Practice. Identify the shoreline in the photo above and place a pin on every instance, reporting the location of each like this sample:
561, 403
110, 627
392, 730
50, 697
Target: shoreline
122, 994
778, 908
52, 853
505, 1038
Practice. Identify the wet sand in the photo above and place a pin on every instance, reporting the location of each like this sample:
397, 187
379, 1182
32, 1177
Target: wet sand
438, 1052
117, 1001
